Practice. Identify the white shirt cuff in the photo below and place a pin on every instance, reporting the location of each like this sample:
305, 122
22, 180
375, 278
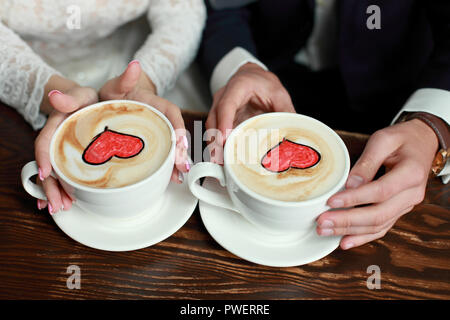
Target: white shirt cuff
436, 102
229, 65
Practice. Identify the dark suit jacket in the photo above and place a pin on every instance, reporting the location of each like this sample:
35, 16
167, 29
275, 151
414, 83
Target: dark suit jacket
410, 51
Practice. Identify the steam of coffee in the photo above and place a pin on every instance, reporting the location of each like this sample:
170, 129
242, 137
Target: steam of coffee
264, 136
128, 119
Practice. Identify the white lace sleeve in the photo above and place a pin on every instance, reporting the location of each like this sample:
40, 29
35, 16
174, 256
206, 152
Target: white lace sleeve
23, 75
177, 27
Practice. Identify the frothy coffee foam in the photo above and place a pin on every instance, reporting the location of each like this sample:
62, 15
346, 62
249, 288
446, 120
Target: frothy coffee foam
126, 118
260, 135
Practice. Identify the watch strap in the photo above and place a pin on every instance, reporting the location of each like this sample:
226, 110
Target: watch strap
441, 128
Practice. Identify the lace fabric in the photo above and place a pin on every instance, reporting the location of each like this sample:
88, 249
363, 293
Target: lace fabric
40, 38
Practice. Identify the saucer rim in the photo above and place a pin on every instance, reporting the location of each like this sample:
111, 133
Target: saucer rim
142, 244
254, 258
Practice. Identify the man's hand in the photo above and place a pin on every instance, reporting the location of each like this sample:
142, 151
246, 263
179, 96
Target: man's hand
251, 91
407, 151
134, 84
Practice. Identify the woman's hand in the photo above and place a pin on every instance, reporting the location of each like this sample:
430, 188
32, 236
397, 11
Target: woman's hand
60, 102
135, 85
407, 151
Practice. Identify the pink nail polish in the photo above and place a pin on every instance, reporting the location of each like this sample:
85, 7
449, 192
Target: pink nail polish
133, 62
50, 209
41, 176
39, 205
188, 166
185, 142
54, 92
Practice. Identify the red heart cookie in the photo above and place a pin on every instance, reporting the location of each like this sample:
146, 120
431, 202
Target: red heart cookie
110, 144
288, 154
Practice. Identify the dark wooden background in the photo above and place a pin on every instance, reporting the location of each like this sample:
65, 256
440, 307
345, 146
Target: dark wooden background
414, 256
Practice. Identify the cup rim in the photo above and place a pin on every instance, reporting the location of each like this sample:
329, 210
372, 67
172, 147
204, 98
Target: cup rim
320, 198
119, 189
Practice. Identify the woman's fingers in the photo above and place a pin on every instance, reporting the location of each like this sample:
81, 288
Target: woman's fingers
42, 144
73, 100
119, 87
41, 204
128, 80
58, 199
53, 194
181, 157
76, 98
173, 114
63, 103
66, 199
176, 176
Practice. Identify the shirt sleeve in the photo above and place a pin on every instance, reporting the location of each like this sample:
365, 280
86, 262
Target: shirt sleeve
226, 29
176, 29
436, 102
23, 76
433, 89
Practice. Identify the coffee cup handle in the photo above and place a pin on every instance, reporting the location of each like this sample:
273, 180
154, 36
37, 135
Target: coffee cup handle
29, 170
209, 169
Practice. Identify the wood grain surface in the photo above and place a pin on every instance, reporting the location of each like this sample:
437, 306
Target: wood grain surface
34, 253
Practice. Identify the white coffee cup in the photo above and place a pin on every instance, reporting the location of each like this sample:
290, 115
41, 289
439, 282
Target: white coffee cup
122, 202
275, 217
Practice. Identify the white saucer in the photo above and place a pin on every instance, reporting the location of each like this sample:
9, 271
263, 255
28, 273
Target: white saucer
148, 228
243, 239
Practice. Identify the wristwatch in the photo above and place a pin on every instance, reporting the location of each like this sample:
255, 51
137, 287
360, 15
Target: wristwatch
441, 128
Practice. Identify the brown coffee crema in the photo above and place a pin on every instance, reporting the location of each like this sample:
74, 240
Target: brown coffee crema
259, 136
133, 119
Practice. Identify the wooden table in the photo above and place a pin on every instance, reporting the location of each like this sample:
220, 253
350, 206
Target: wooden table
414, 256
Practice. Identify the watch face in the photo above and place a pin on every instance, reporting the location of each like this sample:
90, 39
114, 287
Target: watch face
440, 160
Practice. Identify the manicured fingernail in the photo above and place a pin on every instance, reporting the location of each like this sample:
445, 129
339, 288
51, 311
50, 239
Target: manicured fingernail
185, 142
39, 205
188, 166
354, 182
326, 232
336, 203
133, 62
348, 246
327, 224
50, 208
54, 92
41, 175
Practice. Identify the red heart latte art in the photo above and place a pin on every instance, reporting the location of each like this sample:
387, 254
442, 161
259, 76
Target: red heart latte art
110, 144
288, 154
